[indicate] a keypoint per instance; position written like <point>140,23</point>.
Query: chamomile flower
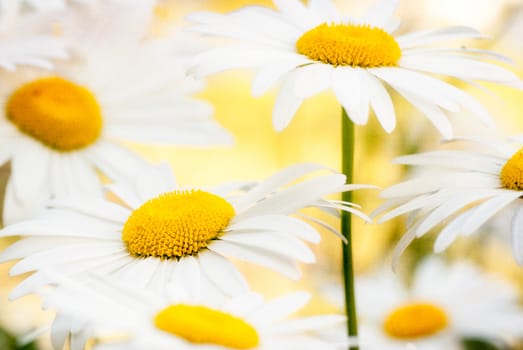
<point>311,48</point>
<point>461,189</point>
<point>444,304</point>
<point>58,129</point>
<point>22,38</point>
<point>166,237</point>
<point>147,320</point>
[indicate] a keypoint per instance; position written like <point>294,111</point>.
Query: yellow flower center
<point>176,224</point>
<point>350,45</point>
<point>512,172</point>
<point>199,324</point>
<point>58,113</point>
<point>415,320</point>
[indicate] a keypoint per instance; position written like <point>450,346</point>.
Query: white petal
<point>381,104</point>
<point>115,161</point>
<point>29,170</point>
<point>95,207</point>
<point>283,177</point>
<point>432,112</point>
<point>381,13</point>
<point>16,211</point>
<point>268,76</point>
<point>313,323</point>
<point>489,208</point>
<point>449,234</point>
<point>59,331</point>
<point>452,206</point>
<point>454,159</point>
<point>460,67</point>
<point>222,272</point>
<point>278,223</point>
<point>517,235</point>
<point>187,274</point>
<point>286,104</point>
<point>431,37</point>
<point>297,197</point>
<point>281,244</point>
<point>257,256</point>
<point>350,86</point>
<point>312,79</point>
<point>281,307</point>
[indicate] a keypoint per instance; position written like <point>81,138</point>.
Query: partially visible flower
<point>166,237</point>
<point>146,320</point>
<point>22,42</point>
<point>445,304</point>
<point>461,189</point>
<point>311,48</point>
<point>60,129</point>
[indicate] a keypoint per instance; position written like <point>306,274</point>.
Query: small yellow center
<point>512,172</point>
<point>415,320</point>
<point>176,224</point>
<point>199,324</point>
<point>350,45</point>
<point>58,113</point>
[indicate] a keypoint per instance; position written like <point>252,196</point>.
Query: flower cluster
<point>131,259</point>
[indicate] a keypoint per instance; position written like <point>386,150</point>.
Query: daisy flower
<point>146,320</point>
<point>22,41</point>
<point>443,305</point>
<point>311,48</point>
<point>166,237</point>
<point>461,189</point>
<point>59,129</point>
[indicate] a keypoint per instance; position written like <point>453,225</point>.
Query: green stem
<point>347,165</point>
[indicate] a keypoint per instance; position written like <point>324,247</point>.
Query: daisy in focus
<point>444,304</point>
<point>311,48</point>
<point>171,239</point>
<point>60,129</point>
<point>150,321</point>
<point>458,191</point>
<point>22,38</point>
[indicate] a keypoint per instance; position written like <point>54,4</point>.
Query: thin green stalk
<point>347,165</point>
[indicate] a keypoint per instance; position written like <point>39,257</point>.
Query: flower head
<point>147,320</point>
<point>444,304</point>
<point>311,48</point>
<point>165,237</point>
<point>461,189</point>
<point>66,126</point>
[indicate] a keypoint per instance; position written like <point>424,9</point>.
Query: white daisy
<point>463,189</point>
<point>444,305</point>
<point>59,129</point>
<point>165,237</point>
<point>22,38</point>
<point>150,321</point>
<point>311,48</point>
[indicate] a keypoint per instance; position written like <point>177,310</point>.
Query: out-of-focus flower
<point>444,304</point>
<point>59,129</point>
<point>311,48</point>
<point>463,189</point>
<point>165,237</point>
<point>150,321</point>
<point>21,40</point>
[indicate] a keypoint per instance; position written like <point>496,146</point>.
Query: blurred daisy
<point>152,321</point>
<point>59,129</point>
<point>463,189</point>
<point>22,41</point>
<point>311,48</point>
<point>166,237</point>
<point>444,305</point>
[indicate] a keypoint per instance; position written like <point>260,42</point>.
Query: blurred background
<point>314,136</point>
